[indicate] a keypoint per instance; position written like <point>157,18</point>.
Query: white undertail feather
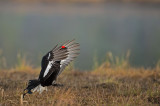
<point>39,89</point>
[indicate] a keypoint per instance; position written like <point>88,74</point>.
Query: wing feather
<point>63,55</point>
<point>48,61</point>
<point>73,52</point>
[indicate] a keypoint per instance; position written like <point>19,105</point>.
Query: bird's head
<point>27,90</point>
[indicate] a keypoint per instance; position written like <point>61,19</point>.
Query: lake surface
<point>34,29</point>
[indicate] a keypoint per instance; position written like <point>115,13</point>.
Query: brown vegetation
<point>105,85</point>
<point>114,82</point>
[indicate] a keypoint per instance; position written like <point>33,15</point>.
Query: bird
<point>52,65</point>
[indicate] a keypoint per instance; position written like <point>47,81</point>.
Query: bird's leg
<point>55,84</point>
<point>58,85</point>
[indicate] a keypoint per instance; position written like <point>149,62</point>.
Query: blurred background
<point>33,27</point>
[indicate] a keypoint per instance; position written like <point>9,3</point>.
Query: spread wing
<point>72,52</point>
<point>50,62</point>
<point>58,57</point>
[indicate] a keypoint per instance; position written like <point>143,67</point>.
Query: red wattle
<point>63,47</point>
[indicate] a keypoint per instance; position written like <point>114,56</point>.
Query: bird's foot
<point>58,85</point>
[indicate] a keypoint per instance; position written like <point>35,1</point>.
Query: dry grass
<point>103,86</point>
<point>114,82</point>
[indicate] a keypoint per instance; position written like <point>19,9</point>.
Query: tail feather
<point>34,85</point>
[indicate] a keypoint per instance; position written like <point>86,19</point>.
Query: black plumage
<point>52,64</point>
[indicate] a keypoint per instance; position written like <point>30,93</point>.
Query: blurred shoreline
<point>82,1</point>
<point>32,28</point>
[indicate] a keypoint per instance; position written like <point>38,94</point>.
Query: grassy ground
<point>114,82</point>
<point>102,86</point>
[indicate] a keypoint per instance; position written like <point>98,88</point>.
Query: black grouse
<point>52,64</point>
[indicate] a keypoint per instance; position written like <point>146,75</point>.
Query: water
<point>34,29</point>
